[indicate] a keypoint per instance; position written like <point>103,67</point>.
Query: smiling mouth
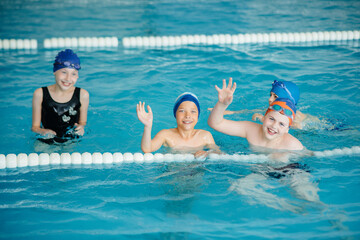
<point>271,132</point>
<point>187,122</point>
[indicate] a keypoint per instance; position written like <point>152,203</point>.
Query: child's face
<point>187,115</point>
<point>275,125</point>
<point>66,77</point>
<point>272,98</point>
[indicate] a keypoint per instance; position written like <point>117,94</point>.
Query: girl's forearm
<point>42,131</point>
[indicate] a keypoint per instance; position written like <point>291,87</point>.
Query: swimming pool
<point>196,200</point>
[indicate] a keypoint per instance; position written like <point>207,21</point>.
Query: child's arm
<point>84,100</point>
<point>258,116</point>
<point>228,112</point>
<point>148,145</point>
<point>36,114</point>
<point>299,118</point>
<point>216,119</point>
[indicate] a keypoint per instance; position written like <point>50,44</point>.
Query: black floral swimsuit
<point>60,117</point>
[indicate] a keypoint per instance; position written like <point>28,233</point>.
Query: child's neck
<point>60,95</point>
<point>185,134</point>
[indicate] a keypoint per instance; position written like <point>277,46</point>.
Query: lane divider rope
<point>216,39</point>
<point>33,159</point>
<point>164,41</point>
<point>81,42</point>
<point>18,44</point>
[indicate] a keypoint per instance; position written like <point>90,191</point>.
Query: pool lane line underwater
<point>180,40</point>
<point>11,161</point>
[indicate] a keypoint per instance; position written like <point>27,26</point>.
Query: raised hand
<point>226,93</point>
<point>145,117</point>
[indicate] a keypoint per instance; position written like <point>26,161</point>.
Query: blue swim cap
<point>286,89</point>
<point>66,59</point>
<point>186,96</point>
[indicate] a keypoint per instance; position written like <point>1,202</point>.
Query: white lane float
<point>216,39</point>
<point>11,161</point>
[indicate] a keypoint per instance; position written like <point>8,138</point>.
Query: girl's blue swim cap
<point>186,96</point>
<point>66,59</point>
<point>286,89</point>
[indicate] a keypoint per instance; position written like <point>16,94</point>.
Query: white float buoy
<point>158,157</point>
<point>138,157</point>
<point>118,157</point>
<point>47,43</point>
<point>11,161</point>
<point>75,158</point>
<point>128,157</point>
<point>97,158</point>
<point>55,159</point>
<point>65,158</point>
<point>33,159</point>
<point>44,159</point>
<point>107,158</point>
<point>22,160</point>
<point>148,157</point>
<point>86,158</point>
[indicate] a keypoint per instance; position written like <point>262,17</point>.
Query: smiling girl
<point>60,110</point>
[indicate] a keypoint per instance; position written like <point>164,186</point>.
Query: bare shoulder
<point>38,96</point>
<point>292,143</point>
<point>166,132</point>
<point>251,126</point>
<point>167,137</point>
<point>84,94</point>
<point>206,137</point>
<point>204,133</point>
<point>38,92</point>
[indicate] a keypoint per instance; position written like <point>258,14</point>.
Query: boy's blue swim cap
<point>286,89</point>
<point>66,59</point>
<point>186,96</point>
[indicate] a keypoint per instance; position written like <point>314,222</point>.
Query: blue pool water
<point>210,200</point>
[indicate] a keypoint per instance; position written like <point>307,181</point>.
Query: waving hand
<point>145,117</point>
<point>226,93</point>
